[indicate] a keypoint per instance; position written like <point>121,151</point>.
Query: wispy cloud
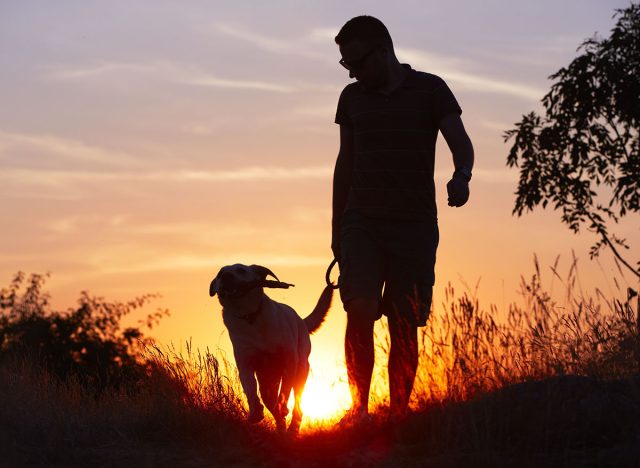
<point>72,224</point>
<point>214,82</point>
<point>493,125</point>
<point>65,148</point>
<point>323,111</point>
<point>98,69</point>
<point>270,44</point>
<point>451,71</point>
<point>105,264</point>
<point>291,46</point>
<point>323,35</point>
<point>61,178</point>
<point>183,74</point>
<point>254,173</point>
<point>496,175</point>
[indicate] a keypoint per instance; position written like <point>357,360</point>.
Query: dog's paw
<point>283,409</point>
<point>294,428</point>
<point>256,415</point>
<point>281,425</point>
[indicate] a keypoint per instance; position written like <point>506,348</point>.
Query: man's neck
<point>397,75</point>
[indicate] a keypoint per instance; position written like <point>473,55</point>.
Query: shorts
<point>391,262</point>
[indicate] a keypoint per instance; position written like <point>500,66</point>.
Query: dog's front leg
<point>298,389</point>
<point>288,377</point>
<point>248,381</point>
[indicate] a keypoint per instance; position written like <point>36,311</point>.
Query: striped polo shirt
<point>395,141</point>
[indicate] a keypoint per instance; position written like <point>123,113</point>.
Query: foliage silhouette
<point>586,147</point>
<point>87,342</point>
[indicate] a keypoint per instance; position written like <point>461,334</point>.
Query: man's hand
<point>458,191</point>
<point>462,151</point>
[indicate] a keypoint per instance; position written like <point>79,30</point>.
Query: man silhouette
<point>384,226</point>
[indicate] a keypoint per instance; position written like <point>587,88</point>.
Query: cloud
<point>323,112</point>
<point>65,148</point>
<point>107,263</point>
<point>269,44</point>
<point>72,224</point>
<point>451,72</point>
<point>495,175</point>
<point>493,125</point>
<point>67,180</point>
<point>214,82</point>
<point>182,74</point>
<point>293,46</point>
<point>323,35</point>
<point>98,69</point>
<point>254,173</point>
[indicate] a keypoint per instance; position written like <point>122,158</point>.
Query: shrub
<point>87,342</point>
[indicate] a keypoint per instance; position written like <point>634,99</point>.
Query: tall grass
<point>467,350</point>
<point>188,409</point>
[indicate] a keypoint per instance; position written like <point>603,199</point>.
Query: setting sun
<point>324,400</point>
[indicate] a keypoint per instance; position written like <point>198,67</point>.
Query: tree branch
<point>612,247</point>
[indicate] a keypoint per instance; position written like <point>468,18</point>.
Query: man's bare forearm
<point>462,153</point>
<point>458,141</point>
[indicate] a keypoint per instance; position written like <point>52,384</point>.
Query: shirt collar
<point>410,81</point>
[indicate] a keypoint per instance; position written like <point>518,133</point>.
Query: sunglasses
<point>358,63</point>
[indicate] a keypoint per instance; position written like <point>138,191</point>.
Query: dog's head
<point>236,281</point>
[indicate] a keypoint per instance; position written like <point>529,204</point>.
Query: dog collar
<point>253,316</point>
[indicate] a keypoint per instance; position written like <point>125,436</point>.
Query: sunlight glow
<point>324,400</point>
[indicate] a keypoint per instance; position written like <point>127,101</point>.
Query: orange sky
<point>144,145</point>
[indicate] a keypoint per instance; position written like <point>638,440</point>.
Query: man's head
<point>367,50</point>
<point>366,29</point>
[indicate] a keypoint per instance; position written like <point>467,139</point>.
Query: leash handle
<point>327,276</point>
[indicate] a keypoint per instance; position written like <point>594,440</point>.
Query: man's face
<point>365,63</point>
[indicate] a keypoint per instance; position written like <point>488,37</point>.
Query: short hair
<point>366,29</point>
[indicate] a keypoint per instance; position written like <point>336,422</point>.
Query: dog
<point>270,341</point>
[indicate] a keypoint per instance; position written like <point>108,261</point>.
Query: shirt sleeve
<point>342,113</point>
<point>444,102</point>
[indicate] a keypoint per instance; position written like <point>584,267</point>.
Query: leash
<point>327,276</point>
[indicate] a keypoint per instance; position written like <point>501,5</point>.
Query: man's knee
<point>362,311</point>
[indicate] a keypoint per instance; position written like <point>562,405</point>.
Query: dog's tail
<point>315,319</point>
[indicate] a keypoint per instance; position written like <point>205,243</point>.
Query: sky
<point>146,144</point>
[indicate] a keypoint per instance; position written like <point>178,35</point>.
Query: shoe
<point>398,415</point>
<point>354,418</point>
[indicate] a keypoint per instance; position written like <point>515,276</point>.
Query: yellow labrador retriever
<point>270,340</point>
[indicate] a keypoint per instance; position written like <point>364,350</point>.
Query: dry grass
<point>552,383</point>
<point>468,350</point>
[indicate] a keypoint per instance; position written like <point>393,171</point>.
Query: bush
<point>87,342</point>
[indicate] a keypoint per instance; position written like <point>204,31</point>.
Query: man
<point>385,231</point>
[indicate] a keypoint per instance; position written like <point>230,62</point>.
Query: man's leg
<point>361,281</point>
<point>407,302</point>
<point>403,362</point>
<point>359,350</point>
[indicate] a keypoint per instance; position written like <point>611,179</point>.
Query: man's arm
<point>461,148</point>
<point>341,185</point>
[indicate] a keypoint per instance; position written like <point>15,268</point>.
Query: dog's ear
<point>262,272</point>
<point>214,286</point>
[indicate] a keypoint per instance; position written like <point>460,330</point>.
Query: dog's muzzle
<point>235,291</point>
